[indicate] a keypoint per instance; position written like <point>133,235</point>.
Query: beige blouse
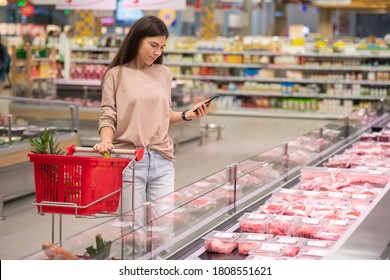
<point>136,105</point>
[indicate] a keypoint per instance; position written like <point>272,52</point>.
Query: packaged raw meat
<point>319,244</point>
<point>275,249</point>
<point>310,253</point>
<point>341,178</point>
<point>288,240</point>
<point>332,234</point>
<point>286,195</point>
<point>273,208</point>
<point>320,211</point>
<point>255,257</point>
<point>221,242</point>
<point>298,210</point>
<point>280,225</point>
<point>247,241</point>
<point>253,222</point>
<point>306,227</point>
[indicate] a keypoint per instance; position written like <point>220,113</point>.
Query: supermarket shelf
<point>327,68</point>
<point>41,59</point>
<point>33,78</point>
<point>278,67</point>
<point>271,53</point>
<point>92,61</point>
<point>294,95</point>
<point>78,82</point>
<point>283,80</point>
<point>218,65</point>
<point>94,49</point>
<point>277,113</point>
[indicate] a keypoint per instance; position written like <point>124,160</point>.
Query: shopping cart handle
<point>138,152</point>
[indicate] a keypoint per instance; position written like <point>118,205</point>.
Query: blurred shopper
<point>136,110</point>
<point>5,63</point>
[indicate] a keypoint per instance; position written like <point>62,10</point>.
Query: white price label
<point>315,252</point>
<point>226,235</point>
<point>311,193</point>
<point>311,221</point>
<point>338,222</point>
<point>256,237</point>
<point>336,194</point>
<point>284,218</point>
<point>356,195</point>
<point>257,216</point>
<point>289,240</point>
<point>316,243</point>
<point>271,247</point>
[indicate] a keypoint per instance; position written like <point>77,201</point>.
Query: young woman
<point>5,63</point>
<point>136,110</point>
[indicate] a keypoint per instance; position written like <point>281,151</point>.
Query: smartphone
<point>207,103</point>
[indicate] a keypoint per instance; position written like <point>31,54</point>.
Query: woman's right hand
<point>103,147</point>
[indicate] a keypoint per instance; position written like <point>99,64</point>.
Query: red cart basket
<point>79,185</point>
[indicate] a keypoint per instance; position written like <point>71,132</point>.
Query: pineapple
<point>45,144</point>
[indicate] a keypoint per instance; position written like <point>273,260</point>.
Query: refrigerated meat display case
<point>178,226</point>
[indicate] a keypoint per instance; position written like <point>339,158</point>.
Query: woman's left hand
<point>198,111</point>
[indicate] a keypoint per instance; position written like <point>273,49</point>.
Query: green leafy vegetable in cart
<point>45,144</point>
<point>102,250</point>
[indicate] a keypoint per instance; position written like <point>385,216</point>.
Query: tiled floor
<point>23,231</point>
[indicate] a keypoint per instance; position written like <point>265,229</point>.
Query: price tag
<point>315,252</point>
<point>226,235</point>
<point>311,221</point>
<point>257,216</point>
<point>311,193</point>
<point>257,237</point>
<point>284,218</point>
<point>338,222</point>
<point>316,243</point>
<point>271,247</point>
<point>289,240</point>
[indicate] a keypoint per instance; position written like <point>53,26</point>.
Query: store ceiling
<point>362,4</point>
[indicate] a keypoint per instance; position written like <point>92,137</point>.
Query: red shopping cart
<point>80,185</point>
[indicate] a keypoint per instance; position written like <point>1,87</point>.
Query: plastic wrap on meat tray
<point>253,222</point>
<point>380,136</point>
<point>221,242</point>
<point>292,196</point>
<point>310,253</point>
<point>280,225</point>
<point>275,249</point>
<point>319,244</point>
<point>265,258</point>
<point>273,207</point>
<point>306,227</point>
<point>329,179</point>
<point>298,241</point>
<point>247,241</point>
<point>331,233</point>
<point>370,148</point>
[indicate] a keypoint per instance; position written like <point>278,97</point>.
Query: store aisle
<point>23,231</point>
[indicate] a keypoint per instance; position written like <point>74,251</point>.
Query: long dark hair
<point>147,26</point>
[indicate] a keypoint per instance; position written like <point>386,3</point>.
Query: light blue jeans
<point>154,177</point>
